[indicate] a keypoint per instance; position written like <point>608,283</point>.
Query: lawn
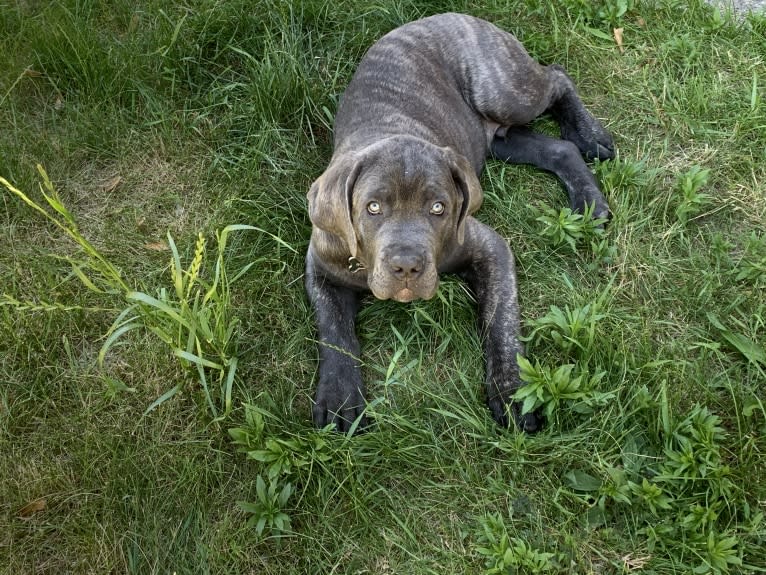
<point>158,355</point>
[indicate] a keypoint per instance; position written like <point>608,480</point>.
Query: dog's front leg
<point>340,392</point>
<point>491,275</point>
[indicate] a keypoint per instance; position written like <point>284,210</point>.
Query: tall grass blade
<point>114,336</point>
<point>176,271</point>
<point>201,361</point>
<point>171,312</point>
<point>229,384</point>
<point>162,399</point>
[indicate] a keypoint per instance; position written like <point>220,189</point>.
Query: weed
<point>565,226</point>
<point>572,330</point>
<point>108,274</point>
<point>287,456</point>
<point>693,458</point>
<point>720,249</point>
<point>694,471</point>
<point>651,495</point>
<point>692,200</point>
<point>284,458</point>
<point>719,554</point>
<point>682,52</point>
<point>547,389</point>
<point>621,177</point>
<point>604,12</point>
<point>266,513</point>
<point>504,554</point>
<point>745,345</point>
<point>195,322</point>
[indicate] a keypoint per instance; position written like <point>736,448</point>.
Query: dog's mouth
<point>404,295</point>
<point>403,291</point>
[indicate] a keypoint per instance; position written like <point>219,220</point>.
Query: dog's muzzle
<point>403,275</point>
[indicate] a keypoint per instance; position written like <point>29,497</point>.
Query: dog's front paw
<point>592,200</point>
<point>531,422</point>
<point>340,401</point>
<point>528,422</point>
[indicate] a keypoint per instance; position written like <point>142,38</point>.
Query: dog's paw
<point>589,135</point>
<point>340,403</point>
<point>504,413</point>
<point>601,145</point>
<point>593,201</point>
<point>529,422</point>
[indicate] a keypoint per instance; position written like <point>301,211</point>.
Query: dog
<point>428,103</point>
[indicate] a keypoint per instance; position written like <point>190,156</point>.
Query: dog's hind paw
<point>589,135</point>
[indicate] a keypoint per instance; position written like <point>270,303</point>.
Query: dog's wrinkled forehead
<point>398,171</point>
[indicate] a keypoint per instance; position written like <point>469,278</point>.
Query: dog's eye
<point>437,208</point>
<point>373,208</point>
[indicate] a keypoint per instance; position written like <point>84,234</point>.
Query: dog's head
<point>398,205</point>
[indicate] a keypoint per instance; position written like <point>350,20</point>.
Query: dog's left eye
<point>373,208</point>
<point>437,208</point>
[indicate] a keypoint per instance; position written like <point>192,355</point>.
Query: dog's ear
<point>468,186</point>
<point>330,199</point>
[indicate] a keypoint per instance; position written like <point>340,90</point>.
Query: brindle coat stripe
<point>427,104</point>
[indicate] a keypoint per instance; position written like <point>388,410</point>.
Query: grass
<point>645,344</point>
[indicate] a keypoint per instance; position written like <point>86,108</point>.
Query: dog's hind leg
<point>577,124</point>
<point>562,157</point>
<point>511,89</point>
<point>506,86</point>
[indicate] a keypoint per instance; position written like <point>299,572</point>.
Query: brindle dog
<point>394,209</point>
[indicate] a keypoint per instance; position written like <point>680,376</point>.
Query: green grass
<point>646,344</point>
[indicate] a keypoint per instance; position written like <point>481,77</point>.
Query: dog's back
<point>444,79</point>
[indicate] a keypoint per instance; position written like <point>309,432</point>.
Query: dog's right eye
<point>437,208</point>
<point>373,208</point>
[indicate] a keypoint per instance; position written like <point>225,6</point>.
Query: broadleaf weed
<point>681,52</point>
<point>546,389</point>
<point>504,554</point>
<point>692,200</point>
<point>287,460</point>
<point>688,492</point>
<point>282,455</point>
<point>651,495</point>
<point>565,226</point>
<point>719,554</point>
<point>621,176</point>
<point>604,13</point>
<point>685,502</point>
<point>751,266</point>
<point>573,330</point>
<point>266,513</point>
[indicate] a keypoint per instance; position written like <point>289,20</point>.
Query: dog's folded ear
<point>330,199</point>
<point>468,186</point>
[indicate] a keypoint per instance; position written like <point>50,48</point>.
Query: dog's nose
<point>406,265</point>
